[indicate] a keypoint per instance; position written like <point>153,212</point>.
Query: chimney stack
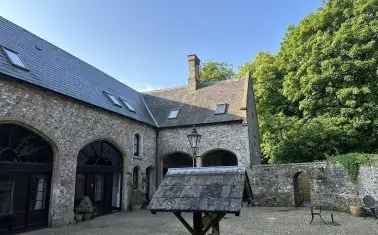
<point>194,72</point>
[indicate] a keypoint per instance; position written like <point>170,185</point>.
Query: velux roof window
<point>173,114</point>
<point>14,59</point>
<point>221,109</point>
<point>127,104</point>
<point>113,99</point>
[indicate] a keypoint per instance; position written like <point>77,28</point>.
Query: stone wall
<point>331,186</point>
<point>70,125</point>
<point>231,137</point>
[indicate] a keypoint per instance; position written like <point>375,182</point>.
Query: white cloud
<point>147,87</point>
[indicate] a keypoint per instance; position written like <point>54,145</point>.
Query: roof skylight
<point>113,99</point>
<point>221,109</point>
<point>14,58</point>
<point>173,114</point>
<point>127,104</point>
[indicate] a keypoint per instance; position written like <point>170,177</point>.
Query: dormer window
<point>221,109</point>
<point>173,114</point>
<point>14,59</point>
<point>127,104</point>
<point>112,99</point>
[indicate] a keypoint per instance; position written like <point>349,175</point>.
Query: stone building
<point>69,131</point>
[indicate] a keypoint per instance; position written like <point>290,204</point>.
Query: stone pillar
<point>63,189</point>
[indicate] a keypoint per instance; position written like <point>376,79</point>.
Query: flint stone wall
<point>70,125</point>
<point>331,186</point>
<point>232,137</point>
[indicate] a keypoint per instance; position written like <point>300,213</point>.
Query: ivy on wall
<point>353,161</point>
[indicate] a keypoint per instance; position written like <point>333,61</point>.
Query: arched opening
<point>136,177</point>
<point>25,178</point>
<point>99,177</point>
<point>302,189</point>
<point>176,160</point>
<point>219,157</point>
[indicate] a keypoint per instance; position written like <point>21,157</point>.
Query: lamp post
<point>194,139</point>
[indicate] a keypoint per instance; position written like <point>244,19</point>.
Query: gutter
<point>149,111</point>
<point>156,144</point>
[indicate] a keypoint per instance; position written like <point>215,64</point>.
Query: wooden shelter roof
<point>204,189</point>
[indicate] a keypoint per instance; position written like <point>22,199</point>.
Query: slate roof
<point>54,69</point>
<point>198,107</point>
<point>206,189</point>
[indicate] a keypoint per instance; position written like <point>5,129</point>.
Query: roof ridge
<point>213,83</point>
<point>165,89</point>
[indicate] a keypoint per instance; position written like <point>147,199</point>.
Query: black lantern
<point>194,141</point>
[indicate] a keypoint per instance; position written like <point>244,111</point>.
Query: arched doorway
<point>176,160</point>
<point>302,189</point>
<point>25,178</point>
<point>99,176</point>
<point>219,157</point>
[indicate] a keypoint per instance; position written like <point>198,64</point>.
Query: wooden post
<point>215,229</point>
<point>197,223</point>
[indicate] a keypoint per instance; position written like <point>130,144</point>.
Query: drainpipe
<point>157,164</point>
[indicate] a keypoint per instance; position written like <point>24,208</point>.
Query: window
<point>221,108</point>
<point>116,195</point>
<point>14,58</point>
<point>6,195</point>
<point>136,177</point>
<point>127,104</point>
<point>136,145</point>
<point>113,99</point>
<point>39,192</point>
<point>173,114</point>
<point>99,188</point>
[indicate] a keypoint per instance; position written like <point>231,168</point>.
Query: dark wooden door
<point>39,195</point>
<point>20,201</point>
<point>98,187</point>
<point>98,162</point>
<point>29,197</point>
<point>25,173</point>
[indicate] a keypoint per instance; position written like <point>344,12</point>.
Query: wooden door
<point>38,207</point>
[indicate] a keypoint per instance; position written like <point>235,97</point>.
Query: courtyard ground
<point>255,220</point>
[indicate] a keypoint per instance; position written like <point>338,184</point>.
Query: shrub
<point>353,161</point>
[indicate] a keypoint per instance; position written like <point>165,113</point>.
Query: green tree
<point>319,94</point>
<point>216,71</point>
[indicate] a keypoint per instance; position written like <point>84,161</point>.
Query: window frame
<point>136,177</point>
<point>137,143</point>
<point>173,111</point>
<point>113,99</point>
<point>225,110</point>
<point>127,104</point>
<point>8,53</point>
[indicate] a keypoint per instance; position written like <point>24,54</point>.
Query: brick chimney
<point>194,72</point>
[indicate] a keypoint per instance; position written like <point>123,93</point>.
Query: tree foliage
<point>319,94</point>
<point>216,71</point>
<point>353,161</point>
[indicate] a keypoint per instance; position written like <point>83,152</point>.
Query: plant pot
<point>356,211</point>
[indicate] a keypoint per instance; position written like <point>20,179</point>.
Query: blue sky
<point>144,43</point>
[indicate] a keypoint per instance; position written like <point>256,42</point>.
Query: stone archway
<point>99,176</point>
<point>26,160</point>
<point>219,157</point>
<point>176,160</point>
<point>302,189</point>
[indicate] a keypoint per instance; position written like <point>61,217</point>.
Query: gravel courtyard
<point>256,220</point>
